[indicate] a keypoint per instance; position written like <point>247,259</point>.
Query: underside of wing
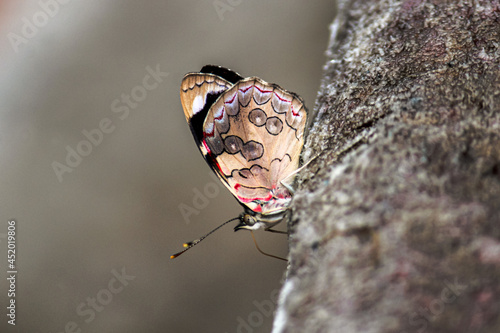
<point>254,135</point>
<point>198,92</point>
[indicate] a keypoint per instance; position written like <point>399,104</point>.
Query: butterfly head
<point>251,220</point>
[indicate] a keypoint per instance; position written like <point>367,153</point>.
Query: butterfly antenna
<point>189,245</point>
<point>264,253</point>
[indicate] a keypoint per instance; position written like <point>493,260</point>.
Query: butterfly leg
<point>265,253</point>
<point>276,231</point>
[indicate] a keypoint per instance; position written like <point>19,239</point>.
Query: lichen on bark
<point>396,223</point>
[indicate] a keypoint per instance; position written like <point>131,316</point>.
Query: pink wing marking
<point>268,198</point>
<point>209,153</point>
<point>211,133</point>
<point>257,209</point>
<point>206,147</point>
<point>281,196</point>
<point>221,115</point>
<point>237,186</point>
<point>245,90</point>
<point>231,100</point>
<point>263,91</point>
<point>281,98</point>
<point>296,114</point>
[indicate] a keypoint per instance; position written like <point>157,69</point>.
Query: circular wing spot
<point>215,144</point>
<point>274,125</point>
<point>233,144</point>
<point>252,150</point>
<point>257,117</point>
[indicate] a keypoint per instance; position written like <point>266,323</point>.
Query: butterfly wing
<point>198,92</point>
<point>253,135</point>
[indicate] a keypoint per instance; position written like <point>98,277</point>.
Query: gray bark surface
<point>396,224</point>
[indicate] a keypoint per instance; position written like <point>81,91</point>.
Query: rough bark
<point>396,224</point>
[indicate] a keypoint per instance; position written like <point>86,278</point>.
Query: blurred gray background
<point>65,69</point>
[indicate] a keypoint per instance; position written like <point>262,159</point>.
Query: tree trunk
<point>396,224</point>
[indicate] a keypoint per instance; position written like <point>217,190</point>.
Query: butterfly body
<point>251,134</point>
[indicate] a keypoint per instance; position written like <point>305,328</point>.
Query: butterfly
<point>251,134</point>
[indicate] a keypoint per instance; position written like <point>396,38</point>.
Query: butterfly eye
<point>249,219</point>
